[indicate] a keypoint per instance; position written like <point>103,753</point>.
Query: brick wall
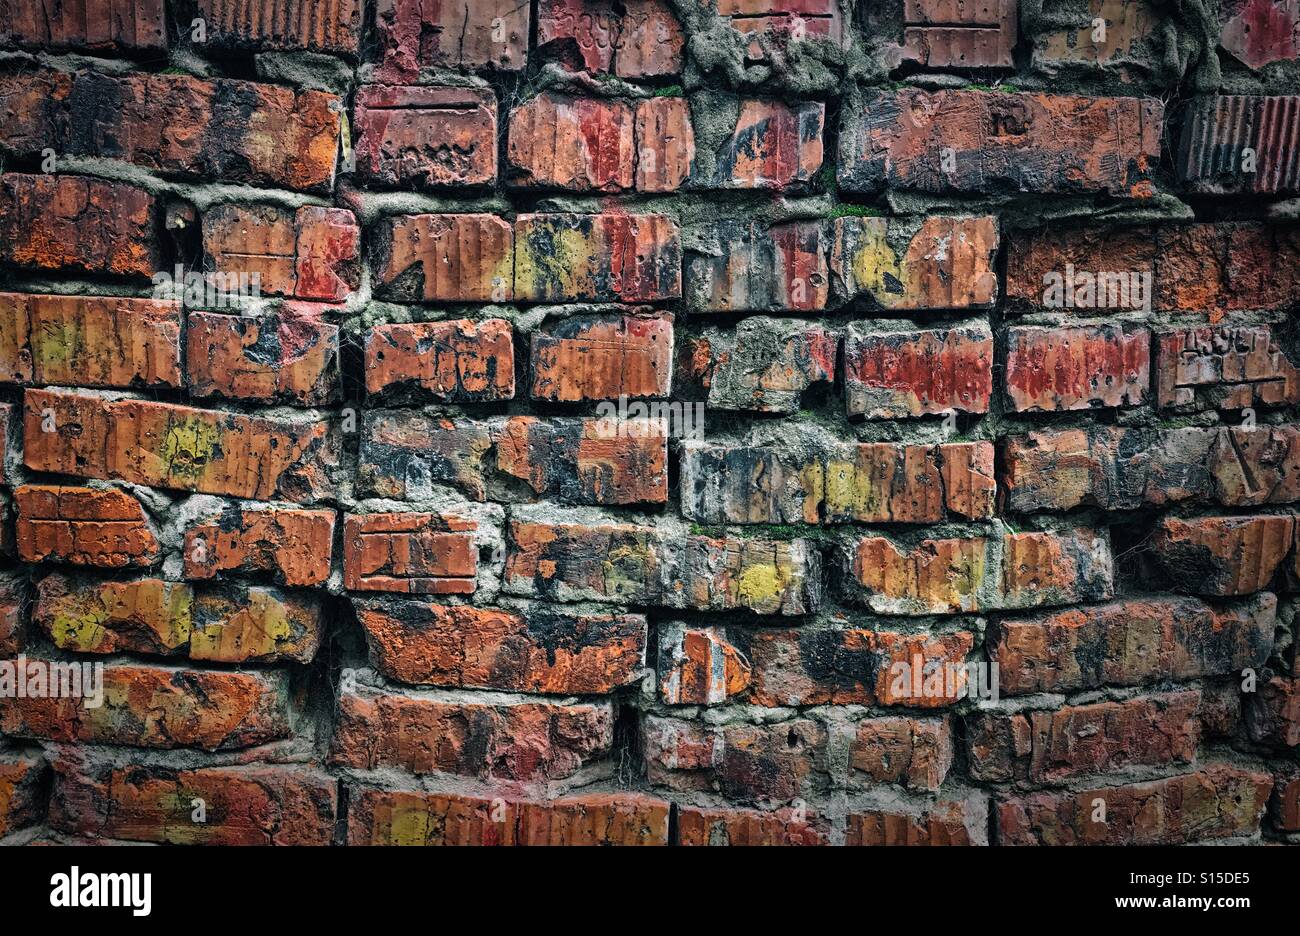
<point>655,422</point>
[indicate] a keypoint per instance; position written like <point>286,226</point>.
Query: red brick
<point>1217,132</point>
<point>627,258</point>
<point>746,763</point>
<point>77,224</point>
<point>950,34</point>
<point>1128,23</point>
<point>1077,740</point>
<point>875,482</point>
<point>422,735</point>
<point>912,752</point>
<point>1208,269</point>
<point>421,553</point>
<point>283,26</point>
<point>1223,555</point>
<point>22,792</point>
<point>1216,802</point>
<point>457,34</point>
<point>405,453</point>
<point>1286,803</point>
<point>698,666</point>
<point>897,374</point>
<point>999,142</point>
<point>307,253</point>
<point>86,526</point>
<point>755,268</point>
<point>789,826</point>
<point>1258,32</point>
<point>283,358</point>
<point>295,546</point>
<point>160,707</point>
<point>603,357</point>
<point>162,445</point>
<point>90,341</point>
<point>1131,643</point>
<point>13,614</point>
<point>765,365</point>
<point>458,361</point>
<point>776,23</point>
<point>578,144</point>
<point>586,461</point>
<point>947,263</point>
<point>426,137</point>
<point>93,25</point>
<point>633,39</point>
<point>1052,369</point>
<point>541,649</point>
<point>392,817</point>
<point>444,258</point>
<point>1273,712</point>
<point>1223,367</point>
<point>666,140</point>
<point>229,624</point>
<point>242,805</point>
<point>773,145</point>
<point>946,822</point>
<point>638,565</point>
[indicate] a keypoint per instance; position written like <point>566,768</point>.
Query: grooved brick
<point>626,258</point>
<point>93,25</point>
<point>420,553</point>
<point>309,253</point>
<point>1222,555</point>
<point>426,137</point>
<point>1050,369</point>
<point>85,526</point>
<point>443,258</point>
<point>750,267</point>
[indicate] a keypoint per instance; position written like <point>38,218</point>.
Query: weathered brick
<point>1239,144</point>
<point>93,25</point>
<point>766,364</point>
<point>1273,712</point>
<point>586,461</point>
<point>934,263</point>
<point>1222,555</point>
<point>22,796</point>
<point>632,39</point>
<point>443,258</point>
<point>597,258</point>
<point>1076,740</point>
<point>458,34</point>
<point>159,707</point>
<point>1223,367</point>
<point>1258,32</point>
<point>896,374</point>
<point>773,145</point>
<point>426,137</point>
<point>295,546</point>
<point>912,752</point>
<point>458,361</point>
<point>776,23</point>
<point>227,624</point>
<point>984,141</point>
<point>1128,23</point>
<point>854,666</point>
<point>274,358</point>
<point>638,565</point>
<point>666,140</point>
<point>13,614</point>
<point>1122,469</point>
<point>423,734</point>
<point>283,25</point>
<point>162,445</point>
<point>420,553</point>
<point>86,526</point>
<point>1286,803</point>
<point>243,805</point>
<point>90,341</point>
<point>946,822</point>
<point>1209,269</point>
<point>875,482</point>
<point>698,666</point>
<point>1218,801</point>
<point>747,827</point>
<point>746,763</point>
<point>393,817</point>
<point>749,267</point>
<point>1051,369</point>
<point>981,573</point>
<point>1132,642</point>
<point>307,253</point>
<point>578,144</point>
<point>603,357</point>
<point>951,34</point>
<point>539,649</point>
<point>404,454</point>
<point>75,223</point>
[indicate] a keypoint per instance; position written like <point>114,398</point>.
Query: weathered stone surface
<point>945,263</point>
<point>603,357</point>
<point>539,650</point>
<point>295,546</point>
<point>1052,369</point>
<point>443,258</point>
<point>1240,144</point>
<point>1127,25</point>
<point>275,358</point>
<point>698,666</point>
<point>632,39</point>
<point>309,253</point>
<point>748,267</point>
<point>586,461</point>
<point>1132,642</point>
<point>880,482</point>
<point>420,553</point>
<point>1223,367</point>
<point>950,576</point>
<point>597,258</point>
<point>459,34</point>
<point>458,361</point>
<point>897,374</point>
<point>1222,555</point>
<point>84,526</point>
<point>404,454</point>
<point>769,364</point>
